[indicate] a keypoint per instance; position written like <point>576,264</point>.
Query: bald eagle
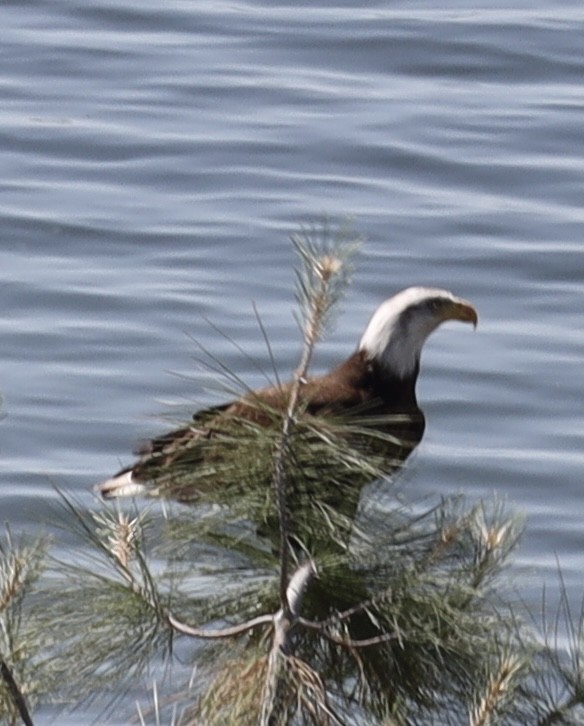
<point>375,383</point>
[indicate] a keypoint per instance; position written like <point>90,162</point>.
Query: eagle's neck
<point>367,380</point>
<point>394,344</point>
<point>399,390</point>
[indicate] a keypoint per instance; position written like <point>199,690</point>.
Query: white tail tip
<point>121,485</point>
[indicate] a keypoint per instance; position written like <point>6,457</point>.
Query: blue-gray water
<point>155,157</point>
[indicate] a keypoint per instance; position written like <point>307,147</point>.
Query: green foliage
<point>328,462</point>
<point>20,566</point>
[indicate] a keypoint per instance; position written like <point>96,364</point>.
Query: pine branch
<point>323,275</point>
<point>498,691</point>
<point>317,289</point>
<point>284,622</point>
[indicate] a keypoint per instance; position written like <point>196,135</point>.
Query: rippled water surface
<point>155,158</point>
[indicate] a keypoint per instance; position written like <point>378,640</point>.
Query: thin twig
<point>15,692</point>
<point>359,607</point>
<point>229,632</point>
<point>312,329</point>
<point>346,642</point>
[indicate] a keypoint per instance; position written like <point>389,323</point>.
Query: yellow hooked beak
<point>462,310</point>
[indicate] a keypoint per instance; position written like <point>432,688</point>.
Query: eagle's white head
<point>399,327</point>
